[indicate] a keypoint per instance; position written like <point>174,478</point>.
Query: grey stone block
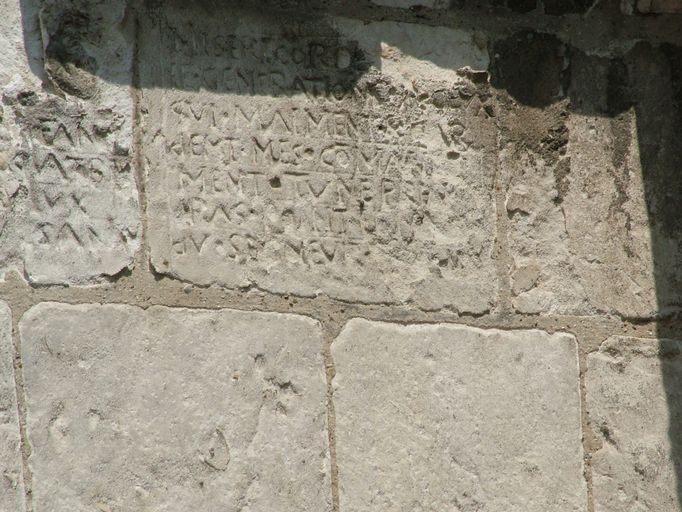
<point>174,409</point>
<point>447,417</point>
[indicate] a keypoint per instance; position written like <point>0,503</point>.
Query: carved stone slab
<point>319,156</point>
<point>174,409</point>
<point>11,482</point>
<point>634,401</point>
<point>448,417</point>
<point>68,199</point>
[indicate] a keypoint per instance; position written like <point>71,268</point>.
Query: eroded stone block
<point>591,153</point>
<point>67,190</point>
<point>449,417</point>
<point>634,400</point>
<point>11,482</point>
<point>174,409</point>
<point>319,156</point>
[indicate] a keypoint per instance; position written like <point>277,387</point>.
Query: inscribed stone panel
<point>319,156</point>
<point>68,199</point>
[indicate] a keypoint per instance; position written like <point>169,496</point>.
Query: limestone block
<point>580,235</point>
<point>174,409</point>
<point>11,483</point>
<point>319,157</point>
<point>633,400</point>
<point>591,152</point>
<point>67,190</point>
<point>447,417</point>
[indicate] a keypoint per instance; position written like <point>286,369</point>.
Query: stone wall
<point>312,256</point>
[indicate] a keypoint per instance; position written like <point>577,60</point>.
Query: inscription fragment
<point>68,197</point>
<point>279,155</point>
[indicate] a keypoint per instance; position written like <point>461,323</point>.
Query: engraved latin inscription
<point>280,156</point>
<point>67,192</point>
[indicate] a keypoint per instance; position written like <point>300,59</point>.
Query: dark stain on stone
<point>553,144</point>
<point>561,180</point>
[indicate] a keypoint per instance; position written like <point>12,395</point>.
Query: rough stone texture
<point>321,156</point>
<point>651,6</point>
<point>510,164</point>
<point>456,418</point>
<point>591,152</point>
<point>11,484</point>
<point>634,395</point>
<point>406,4</point>
<point>68,199</point>
<point>174,409</point>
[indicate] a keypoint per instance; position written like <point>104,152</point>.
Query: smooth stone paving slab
<point>174,409</point>
<point>634,401</point>
<point>447,417</point>
<point>324,156</point>
<point>68,200</point>
<point>11,483</point>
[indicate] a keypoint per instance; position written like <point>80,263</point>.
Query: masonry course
<point>306,222</point>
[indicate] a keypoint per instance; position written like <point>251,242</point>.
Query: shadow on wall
<point>63,41</point>
<point>640,90</point>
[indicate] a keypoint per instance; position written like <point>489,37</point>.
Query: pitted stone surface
<point>591,152</point>
<point>634,402</point>
<point>319,157</point>
<point>580,235</point>
<point>450,417</point>
<point>11,483</point>
<point>174,409</point>
<point>68,198</point>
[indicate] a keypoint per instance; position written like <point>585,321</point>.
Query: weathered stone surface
<point>405,4</point>
<point>651,6</point>
<point>448,417</point>
<point>634,400</point>
<point>68,198</point>
<point>174,409</point>
<point>321,156</point>
<point>11,483</point>
<point>591,151</point>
